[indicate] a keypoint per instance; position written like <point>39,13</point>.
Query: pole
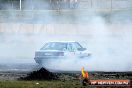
<point>12,5</point>
<point>111,5</point>
<point>91,3</point>
<point>20,4</point>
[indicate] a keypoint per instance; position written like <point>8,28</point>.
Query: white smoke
<point>110,49</point>
<point>110,44</point>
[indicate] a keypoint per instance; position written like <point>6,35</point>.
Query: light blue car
<point>60,50</point>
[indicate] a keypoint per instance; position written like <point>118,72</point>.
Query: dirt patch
<point>42,74</point>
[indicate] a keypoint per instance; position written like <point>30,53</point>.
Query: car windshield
<point>54,46</point>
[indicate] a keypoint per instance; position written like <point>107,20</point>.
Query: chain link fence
<point>106,4</point>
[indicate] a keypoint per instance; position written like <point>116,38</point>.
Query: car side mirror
<point>81,49</point>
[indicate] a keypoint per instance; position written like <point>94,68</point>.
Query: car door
<point>78,49</point>
<point>71,50</point>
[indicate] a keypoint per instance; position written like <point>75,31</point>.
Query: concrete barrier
<point>25,28</point>
<point>73,29</point>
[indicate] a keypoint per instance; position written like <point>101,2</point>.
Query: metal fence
<point>64,4</point>
<point>106,4</point>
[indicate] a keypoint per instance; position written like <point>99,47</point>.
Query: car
<point>60,50</point>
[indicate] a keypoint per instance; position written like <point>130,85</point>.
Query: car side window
<point>78,45</point>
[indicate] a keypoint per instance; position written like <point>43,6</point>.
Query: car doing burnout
<point>59,50</point>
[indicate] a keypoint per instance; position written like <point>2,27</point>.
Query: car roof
<point>63,41</point>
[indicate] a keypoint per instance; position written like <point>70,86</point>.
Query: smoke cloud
<point>107,36</point>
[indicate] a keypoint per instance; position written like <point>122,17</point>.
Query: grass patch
<point>46,84</point>
<point>41,84</point>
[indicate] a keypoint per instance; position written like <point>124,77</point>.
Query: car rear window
<point>54,46</point>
